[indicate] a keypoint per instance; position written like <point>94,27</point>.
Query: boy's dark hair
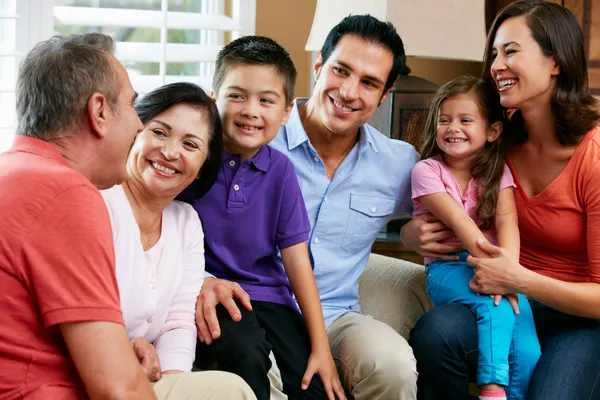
<point>488,167</point>
<point>372,30</point>
<point>256,50</point>
<point>167,96</point>
<point>557,32</point>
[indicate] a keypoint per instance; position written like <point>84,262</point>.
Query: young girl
<point>463,181</point>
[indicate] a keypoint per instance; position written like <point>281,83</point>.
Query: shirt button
<point>316,159</point>
<point>149,320</point>
<point>232,163</point>
<point>153,285</point>
<point>316,240</point>
<point>236,187</point>
<point>373,209</point>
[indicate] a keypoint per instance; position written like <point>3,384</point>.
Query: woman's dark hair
<point>558,34</point>
<point>167,96</point>
<point>488,167</point>
<point>371,30</point>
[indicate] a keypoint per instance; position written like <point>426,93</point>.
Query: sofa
<point>393,291</point>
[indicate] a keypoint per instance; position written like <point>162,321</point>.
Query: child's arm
<point>507,224</point>
<point>299,272</point>
<point>447,210</point>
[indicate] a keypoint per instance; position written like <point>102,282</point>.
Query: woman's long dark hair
<point>167,96</point>
<point>559,35</point>
<point>488,166</point>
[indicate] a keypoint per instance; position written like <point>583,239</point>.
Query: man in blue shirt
<point>354,180</point>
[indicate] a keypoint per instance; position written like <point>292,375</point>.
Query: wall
<point>441,71</point>
<point>289,22</point>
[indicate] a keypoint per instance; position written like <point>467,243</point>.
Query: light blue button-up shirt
<point>370,188</point>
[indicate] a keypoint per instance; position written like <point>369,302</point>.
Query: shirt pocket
<point>366,217</point>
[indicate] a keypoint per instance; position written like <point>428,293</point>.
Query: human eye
<point>494,55</point>
<point>510,51</point>
<point>159,132</point>
<point>267,101</point>
<point>190,144</point>
<point>466,120</point>
<point>339,71</point>
<point>235,96</point>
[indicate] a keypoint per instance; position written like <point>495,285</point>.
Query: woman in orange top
<point>535,58</point>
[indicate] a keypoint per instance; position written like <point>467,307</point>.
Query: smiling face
<point>252,106</point>
<point>461,129</point>
<point>524,76</point>
<point>169,152</point>
<point>350,85</point>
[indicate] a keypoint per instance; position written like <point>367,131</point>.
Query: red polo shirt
<point>56,266</point>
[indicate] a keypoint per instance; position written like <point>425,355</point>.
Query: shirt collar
<point>260,161</point>
<point>28,144</point>
<point>296,135</point>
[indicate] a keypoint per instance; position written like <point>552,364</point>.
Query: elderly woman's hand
<point>499,274</point>
<point>218,291</point>
<point>147,357</point>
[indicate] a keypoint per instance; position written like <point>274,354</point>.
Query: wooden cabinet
<point>587,13</point>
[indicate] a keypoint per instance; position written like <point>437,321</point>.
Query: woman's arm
<point>503,274</point>
<point>176,341</point>
<point>451,214</point>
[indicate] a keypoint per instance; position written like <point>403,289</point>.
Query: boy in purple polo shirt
<point>254,211</point>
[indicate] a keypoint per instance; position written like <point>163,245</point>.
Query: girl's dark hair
<point>558,34</point>
<point>488,166</point>
<point>167,96</point>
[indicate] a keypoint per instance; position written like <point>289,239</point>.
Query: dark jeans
<point>244,347</point>
<point>444,341</point>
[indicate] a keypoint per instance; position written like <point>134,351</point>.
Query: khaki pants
<point>203,385</point>
<point>373,360</point>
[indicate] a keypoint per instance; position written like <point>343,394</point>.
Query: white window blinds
<point>161,41</point>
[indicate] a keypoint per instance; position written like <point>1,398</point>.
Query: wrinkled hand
<point>322,363</point>
<point>147,357</point>
<point>218,291</point>
<point>422,235</point>
<point>499,274</point>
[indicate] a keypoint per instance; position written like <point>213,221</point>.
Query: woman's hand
<point>147,357</point>
<point>422,234</point>
<point>214,292</point>
<point>512,298</point>
<point>321,362</point>
<point>499,274</point>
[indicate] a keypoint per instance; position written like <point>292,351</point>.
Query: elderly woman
<point>159,245</point>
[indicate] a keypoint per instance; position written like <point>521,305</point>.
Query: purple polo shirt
<point>254,209</point>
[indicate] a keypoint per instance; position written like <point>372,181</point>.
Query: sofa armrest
<point>393,291</point>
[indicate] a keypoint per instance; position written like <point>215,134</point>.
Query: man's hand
<point>148,358</point>
<point>422,234</point>
<point>218,291</point>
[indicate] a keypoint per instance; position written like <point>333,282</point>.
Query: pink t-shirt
<point>432,176</point>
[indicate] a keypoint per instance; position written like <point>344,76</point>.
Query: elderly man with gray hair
<point>62,334</point>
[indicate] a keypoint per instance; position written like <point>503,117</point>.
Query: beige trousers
<point>373,360</point>
<point>202,385</point>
